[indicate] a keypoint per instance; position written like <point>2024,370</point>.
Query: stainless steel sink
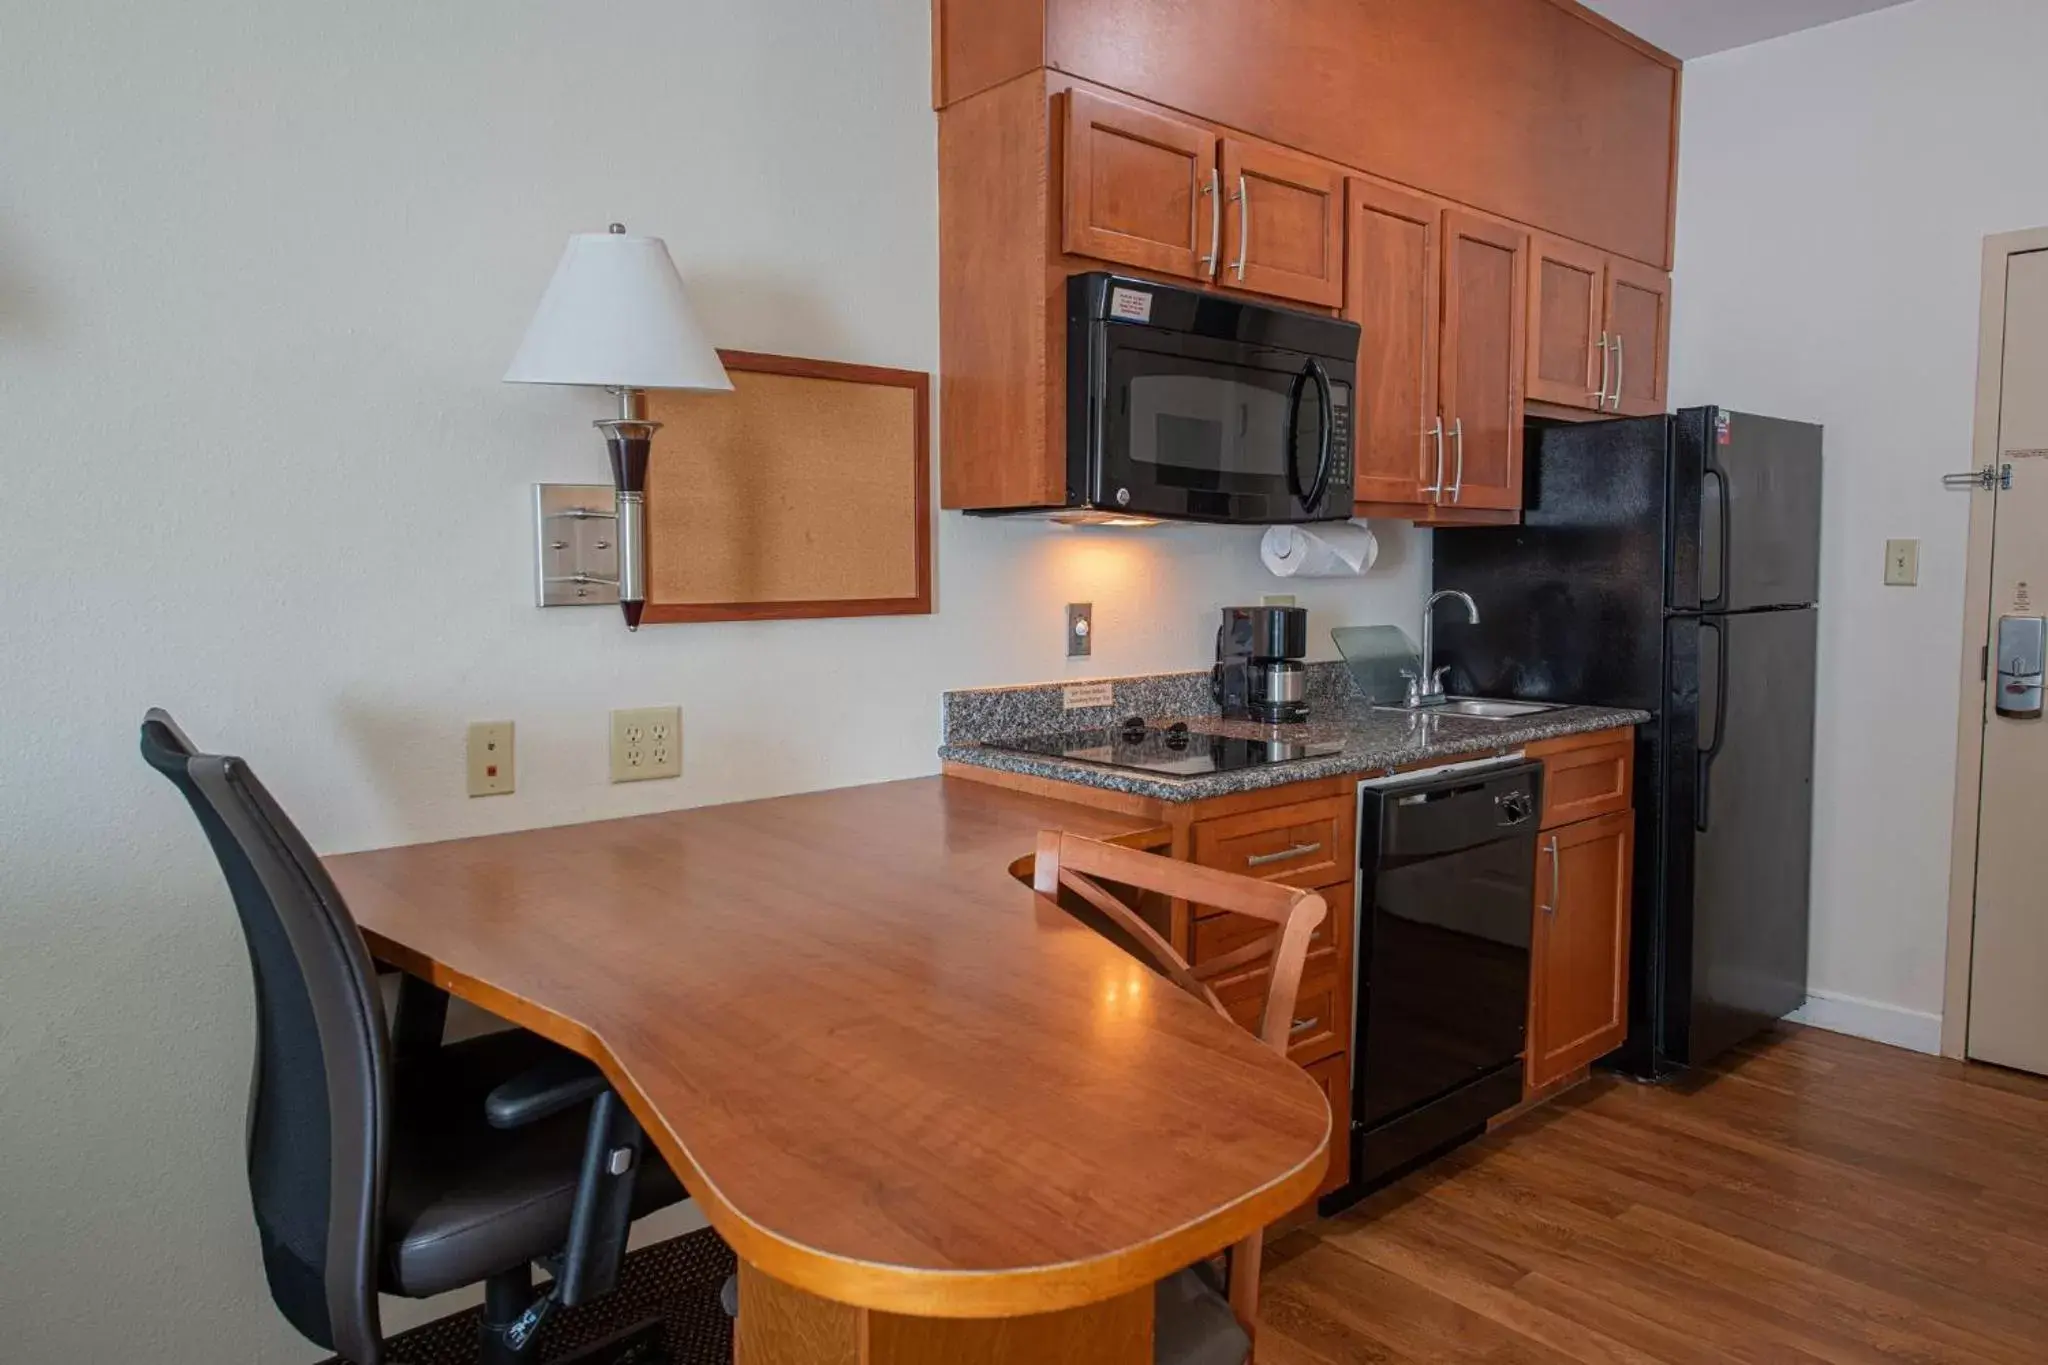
<point>1480,708</point>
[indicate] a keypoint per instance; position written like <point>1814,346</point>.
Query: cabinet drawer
<point>1587,782</point>
<point>1216,935</point>
<point>1320,1017</point>
<point>1307,845</point>
<point>1333,1074</point>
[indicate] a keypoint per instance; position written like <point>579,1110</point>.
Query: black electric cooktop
<point>1173,751</point>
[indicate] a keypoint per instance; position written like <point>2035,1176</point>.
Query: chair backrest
<point>1071,863</point>
<point>319,1097</point>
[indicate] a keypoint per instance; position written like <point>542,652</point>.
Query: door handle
<point>1302,1026</point>
<point>1606,370</point>
<point>1704,792</point>
<point>1723,543</point>
<point>1285,855</point>
<point>1213,192</point>
<point>1458,435</point>
<point>1244,226</point>
<point>1556,890</point>
<point>1620,368</point>
<point>1436,490</point>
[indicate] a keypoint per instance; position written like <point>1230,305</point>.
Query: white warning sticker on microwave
<point>1130,305</point>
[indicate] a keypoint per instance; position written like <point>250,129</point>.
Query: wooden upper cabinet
<point>1539,112</point>
<point>1394,291</point>
<point>1283,224</point>
<point>1578,1003</point>
<point>1568,347</point>
<point>1137,187</point>
<point>1639,323</point>
<point>1485,333</point>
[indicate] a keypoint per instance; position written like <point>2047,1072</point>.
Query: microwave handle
<point>1312,496</point>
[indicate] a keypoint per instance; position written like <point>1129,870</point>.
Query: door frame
<point>1973,694</point>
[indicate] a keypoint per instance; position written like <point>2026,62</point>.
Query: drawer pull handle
<point>1302,1026</point>
<point>1285,855</point>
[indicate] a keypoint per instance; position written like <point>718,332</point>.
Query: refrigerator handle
<point>1719,598</point>
<point>1718,709</point>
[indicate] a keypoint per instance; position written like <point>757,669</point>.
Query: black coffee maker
<point>1259,675</point>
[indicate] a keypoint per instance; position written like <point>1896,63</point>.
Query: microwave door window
<point>1185,424</point>
<point>1194,431</point>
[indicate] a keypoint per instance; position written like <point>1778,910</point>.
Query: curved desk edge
<point>1017,1292</point>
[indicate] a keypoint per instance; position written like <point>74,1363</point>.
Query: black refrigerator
<point>1672,564</point>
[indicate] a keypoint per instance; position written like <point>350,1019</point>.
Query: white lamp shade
<point>615,316</point>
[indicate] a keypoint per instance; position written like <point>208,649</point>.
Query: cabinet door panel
<point>1334,1076</point>
<point>1394,290</point>
<point>1567,323</point>
<point>1639,317</point>
<point>1137,187</point>
<point>1283,224</point>
<point>1484,338</point>
<point>1579,987</point>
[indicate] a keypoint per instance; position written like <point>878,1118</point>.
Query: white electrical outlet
<point>490,758</point>
<point>647,744</point>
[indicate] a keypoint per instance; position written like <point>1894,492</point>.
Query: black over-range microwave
<point>1191,406</point>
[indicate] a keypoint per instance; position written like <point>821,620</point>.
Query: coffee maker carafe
<point>1259,675</point>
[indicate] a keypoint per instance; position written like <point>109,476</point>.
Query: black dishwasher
<point>1446,894</point>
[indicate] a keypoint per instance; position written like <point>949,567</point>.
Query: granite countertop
<point>1373,741</point>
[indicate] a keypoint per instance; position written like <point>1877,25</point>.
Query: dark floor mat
<point>677,1279</point>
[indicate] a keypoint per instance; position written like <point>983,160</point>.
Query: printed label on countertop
<point>1082,696</point>
<point>1130,305</point>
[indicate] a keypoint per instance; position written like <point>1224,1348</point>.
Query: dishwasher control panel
<point>2021,655</point>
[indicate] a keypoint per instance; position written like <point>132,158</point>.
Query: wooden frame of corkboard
<point>804,493</point>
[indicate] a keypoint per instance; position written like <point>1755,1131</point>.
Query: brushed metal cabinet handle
<point>1620,368</point>
<point>1458,435</point>
<point>1285,855</point>
<point>1606,370</point>
<point>1436,490</point>
<point>1244,225</point>
<point>1556,893</point>
<point>1302,1026</point>
<point>1213,258</point>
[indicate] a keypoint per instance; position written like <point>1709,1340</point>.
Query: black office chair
<point>384,1160</point>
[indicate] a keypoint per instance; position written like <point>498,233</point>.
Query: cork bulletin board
<point>805,492</point>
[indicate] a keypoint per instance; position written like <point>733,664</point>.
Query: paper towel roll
<point>1329,550</point>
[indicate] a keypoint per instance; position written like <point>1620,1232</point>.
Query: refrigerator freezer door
<point>1738,817</point>
<point>1745,507</point>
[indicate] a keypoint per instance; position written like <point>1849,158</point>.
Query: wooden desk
<point>914,1100</point>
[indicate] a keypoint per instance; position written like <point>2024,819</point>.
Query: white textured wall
<point>261,266</point>
<point>1835,190</point>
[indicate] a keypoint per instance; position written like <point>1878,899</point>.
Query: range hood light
<point>1091,518</point>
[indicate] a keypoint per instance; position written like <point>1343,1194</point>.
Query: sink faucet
<point>1428,690</point>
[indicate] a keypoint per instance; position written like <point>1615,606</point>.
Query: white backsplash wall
<point>261,267</point>
<point>1835,191</point>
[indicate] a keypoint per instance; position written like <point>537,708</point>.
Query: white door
<point>2009,953</point>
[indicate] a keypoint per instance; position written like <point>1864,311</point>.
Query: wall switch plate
<point>1901,563</point>
<point>647,744</point>
<point>490,758</point>
<point>1080,630</point>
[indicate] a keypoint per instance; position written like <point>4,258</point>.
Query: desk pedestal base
<point>779,1325</point>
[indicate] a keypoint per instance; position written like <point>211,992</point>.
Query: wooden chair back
<point>1068,862</point>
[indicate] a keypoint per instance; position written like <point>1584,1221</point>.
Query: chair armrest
<point>556,1084</point>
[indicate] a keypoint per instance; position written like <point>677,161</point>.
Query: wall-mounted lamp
<point>615,317</point>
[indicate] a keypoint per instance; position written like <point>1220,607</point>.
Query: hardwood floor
<point>1816,1198</point>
